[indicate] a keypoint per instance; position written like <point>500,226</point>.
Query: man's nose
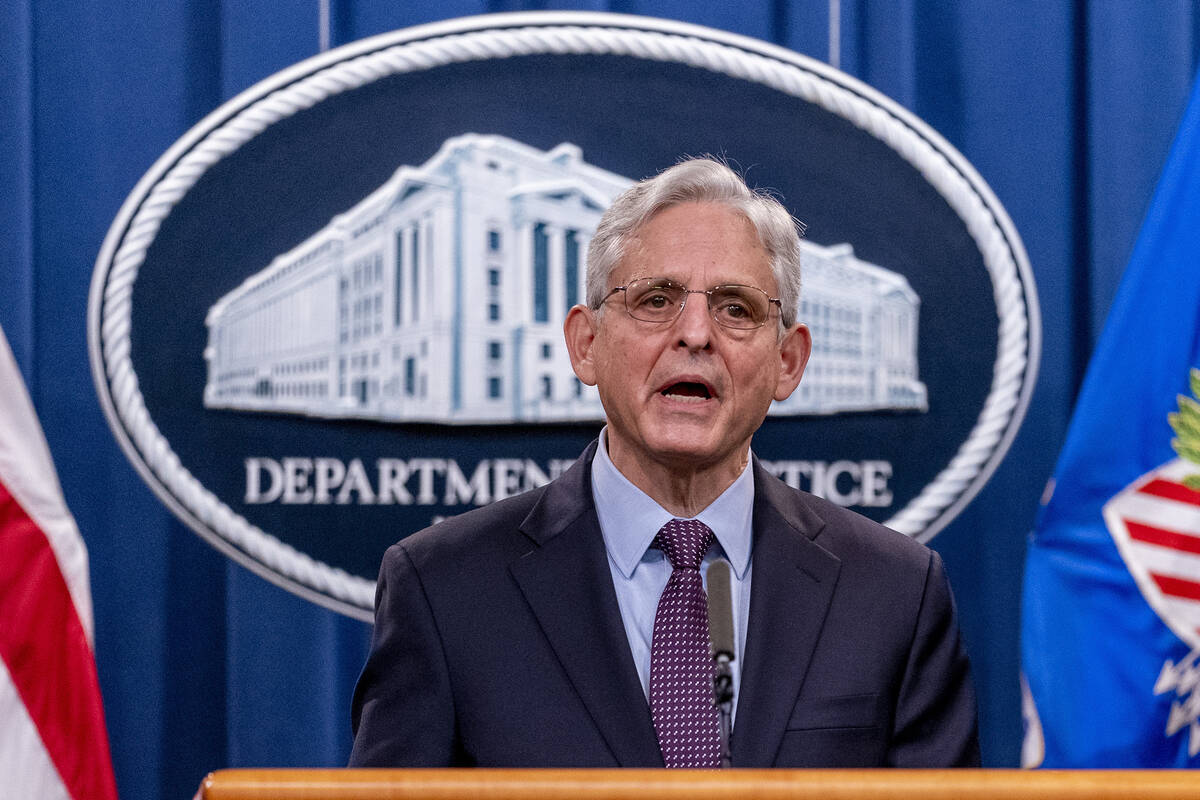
<point>694,325</point>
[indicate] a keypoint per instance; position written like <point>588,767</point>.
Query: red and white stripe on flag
<point>53,743</point>
<point>1156,525</point>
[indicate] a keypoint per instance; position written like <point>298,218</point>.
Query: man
<point>566,626</point>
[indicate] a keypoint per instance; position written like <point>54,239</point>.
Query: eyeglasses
<point>733,306</point>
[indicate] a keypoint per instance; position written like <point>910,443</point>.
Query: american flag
<point>53,742</point>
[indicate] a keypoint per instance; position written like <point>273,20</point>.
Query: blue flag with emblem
<point>1110,641</point>
<point>1111,626</point>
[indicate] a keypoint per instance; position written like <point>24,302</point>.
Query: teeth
<point>687,390</point>
<point>687,398</point>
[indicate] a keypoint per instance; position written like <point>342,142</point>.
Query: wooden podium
<point>615,784</point>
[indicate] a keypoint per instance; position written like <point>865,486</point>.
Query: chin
<point>687,451</point>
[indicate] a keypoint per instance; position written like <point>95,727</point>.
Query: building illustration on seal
<point>440,298</point>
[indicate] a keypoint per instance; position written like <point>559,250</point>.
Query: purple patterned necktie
<point>681,665</point>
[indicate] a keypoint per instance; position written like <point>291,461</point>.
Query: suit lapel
<point>568,585</point>
<point>791,588</point>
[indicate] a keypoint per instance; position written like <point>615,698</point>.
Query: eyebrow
<point>683,283</point>
<point>680,281</point>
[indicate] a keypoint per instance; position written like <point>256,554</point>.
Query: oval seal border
<point>424,47</point>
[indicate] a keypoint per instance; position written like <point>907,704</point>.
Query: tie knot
<point>685,542</point>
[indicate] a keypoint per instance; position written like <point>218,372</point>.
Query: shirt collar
<point>630,518</point>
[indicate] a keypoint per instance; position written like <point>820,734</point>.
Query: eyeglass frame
<point>708,293</point>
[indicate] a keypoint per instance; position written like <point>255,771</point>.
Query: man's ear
<point>579,329</point>
<point>794,349</point>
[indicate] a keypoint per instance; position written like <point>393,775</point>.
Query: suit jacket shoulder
<point>840,531</point>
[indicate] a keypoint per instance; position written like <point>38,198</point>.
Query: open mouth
<point>687,389</point>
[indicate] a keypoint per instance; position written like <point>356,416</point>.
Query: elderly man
<point>567,626</point>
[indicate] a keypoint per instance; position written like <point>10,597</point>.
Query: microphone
<point>720,633</point>
<point>720,611</point>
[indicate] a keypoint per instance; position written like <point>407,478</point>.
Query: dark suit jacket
<point>498,642</point>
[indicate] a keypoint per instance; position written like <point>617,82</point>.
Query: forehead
<point>698,243</point>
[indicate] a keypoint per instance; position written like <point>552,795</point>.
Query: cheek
<point>757,367</point>
<point>616,381</point>
<point>629,358</point>
<point>759,387</point>
<point>611,368</point>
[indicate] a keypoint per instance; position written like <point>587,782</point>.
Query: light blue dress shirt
<point>629,521</point>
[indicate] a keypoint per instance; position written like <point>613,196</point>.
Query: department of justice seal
<point>331,313</point>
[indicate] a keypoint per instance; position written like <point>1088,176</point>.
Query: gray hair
<point>698,180</point>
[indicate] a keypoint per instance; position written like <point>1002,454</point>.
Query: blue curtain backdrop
<point>1065,108</point>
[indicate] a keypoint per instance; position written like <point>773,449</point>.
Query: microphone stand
<point>723,697</point>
